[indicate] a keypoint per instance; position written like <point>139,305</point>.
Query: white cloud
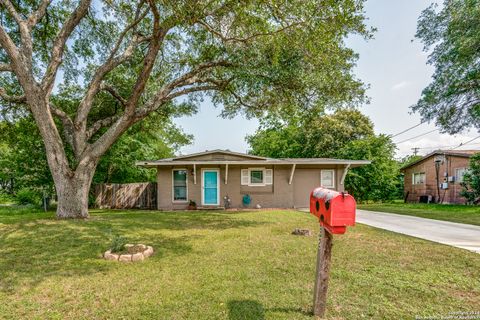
<point>401,85</point>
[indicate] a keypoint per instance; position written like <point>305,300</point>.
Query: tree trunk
<point>72,192</point>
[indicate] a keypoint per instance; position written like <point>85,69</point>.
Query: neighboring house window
<point>257,176</point>
<point>459,173</point>
<point>418,178</point>
<point>327,178</point>
<point>180,189</point>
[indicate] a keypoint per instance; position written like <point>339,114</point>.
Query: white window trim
<point>333,177</point>
<point>424,178</point>
<point>173,186</point>
<point>203,186</point>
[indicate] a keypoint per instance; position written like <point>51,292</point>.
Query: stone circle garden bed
<point>132,253</point>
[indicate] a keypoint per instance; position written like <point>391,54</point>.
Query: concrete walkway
<point>459,235</point>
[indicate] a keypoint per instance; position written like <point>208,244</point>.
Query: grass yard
<point>219,265</point>
<point>447,212</point>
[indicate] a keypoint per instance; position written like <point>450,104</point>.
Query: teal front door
<point>210,187</point>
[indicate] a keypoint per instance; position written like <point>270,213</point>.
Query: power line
<point>462,144</point>
<point>449,146</point>
<point>406,130</point>
<point>420,135</point>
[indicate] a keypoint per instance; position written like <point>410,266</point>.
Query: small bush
<point>28,196</point>
<point>6,198</point>
<point>118,244</point>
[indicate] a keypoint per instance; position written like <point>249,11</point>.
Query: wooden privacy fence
<point>126,195</point>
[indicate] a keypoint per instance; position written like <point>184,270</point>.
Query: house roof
<point>455,153</point>
<point>217,151</point>
<point>245,159</point>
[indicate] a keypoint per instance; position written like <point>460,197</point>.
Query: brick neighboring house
<point>420,180</point>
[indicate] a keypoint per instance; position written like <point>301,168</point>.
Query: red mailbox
<point>335,210</point>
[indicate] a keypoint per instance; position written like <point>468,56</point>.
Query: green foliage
<point>28,196</point>
<point>407,160</point>
<point>381,179</point>
<point>24,159</point>
<point>346,134</point>
<point>144,141</point>
<point>310,135</point>
<point>118,244</point>
<point>453,97</point>
<point>6,198</point>
<point>471,181</point>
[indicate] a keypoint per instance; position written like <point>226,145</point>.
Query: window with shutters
<point>256,177</point>
<point>327,178</point>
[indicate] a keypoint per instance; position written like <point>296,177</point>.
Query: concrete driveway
<point>459,235</point>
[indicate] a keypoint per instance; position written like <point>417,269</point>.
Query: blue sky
<point>393,65</point>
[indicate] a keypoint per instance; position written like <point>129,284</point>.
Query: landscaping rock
<point>147,253</point>
<point>138,257</point>
<point>110,256</point>
<point>135,252</point>
<point>302,232</point>
<point>125,258</point>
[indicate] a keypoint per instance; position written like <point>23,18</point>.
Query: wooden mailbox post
<point>335,211</point>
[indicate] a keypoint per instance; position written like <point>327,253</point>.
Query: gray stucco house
<point>210,177</point>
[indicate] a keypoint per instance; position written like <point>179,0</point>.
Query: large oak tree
<point>61,59</point>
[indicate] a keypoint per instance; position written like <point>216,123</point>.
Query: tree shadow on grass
<point>176,220</point>
<point>33,249</point>
<point>254,310</point>
<point>245,310</point>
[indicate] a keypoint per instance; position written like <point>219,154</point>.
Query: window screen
<point>256,176</point>
<point>179,185</point>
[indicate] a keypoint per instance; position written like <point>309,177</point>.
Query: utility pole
<point>415,151</point>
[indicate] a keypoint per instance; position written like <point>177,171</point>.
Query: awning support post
<point>194,173</point>
<point>291,173</point>
<point>226,173</point>
<point>345,171</point>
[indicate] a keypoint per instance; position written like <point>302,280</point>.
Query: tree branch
<point>60,42</point>
<point>246,39</point>
<point>114,93</point>
<point>38,15</point>
<point>68,128</point>
<point>5,67</point>
<point>9,46</point>
<point>122,123</point>
<point>95,85</point>
<point>101,124</point>
<point>13,12</point>
<point>138,17</point>
<point>9,98</point>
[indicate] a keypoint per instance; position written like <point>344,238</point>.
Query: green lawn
<point>219,265</point>
<point>447,212</point>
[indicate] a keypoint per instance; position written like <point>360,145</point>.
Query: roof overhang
<point>434,153</point>
<point>160,163</point>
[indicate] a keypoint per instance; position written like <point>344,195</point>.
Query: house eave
<point>160,163</point>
